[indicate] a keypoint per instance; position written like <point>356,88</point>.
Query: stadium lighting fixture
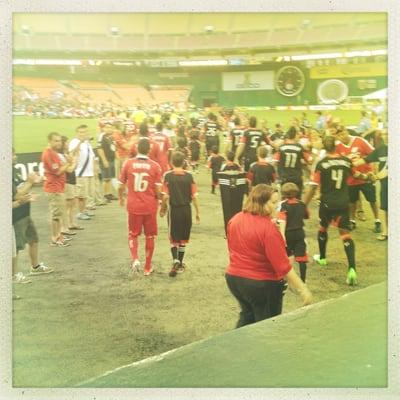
<point>122,63</point>
<point>45,62</point>
<point>202,63</point>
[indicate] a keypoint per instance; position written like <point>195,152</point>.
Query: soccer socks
<point>149,252</point>
<point>181,253</point>
<point>349,248</point>
<point>303,269</point>
<point>133,247</point>
<point>322,241</point>
<point>174,252</point>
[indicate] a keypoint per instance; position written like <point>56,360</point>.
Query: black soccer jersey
<point>180,187</point>
<point>293,211</point>
<point>289,156</point>
<point>215,162</point>
<point>253,139</point>
<point>261,172</point>
<point>211,129</point>
<point>235,137</point>
<point>331,174</point>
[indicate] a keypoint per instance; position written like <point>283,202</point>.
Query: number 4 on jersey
<point>337,175</point>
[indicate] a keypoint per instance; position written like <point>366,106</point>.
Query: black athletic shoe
<point>378,227</point>
<point>174,269</point>
<point>352,225</point>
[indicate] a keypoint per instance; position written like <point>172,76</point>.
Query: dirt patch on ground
<point>91,315</point>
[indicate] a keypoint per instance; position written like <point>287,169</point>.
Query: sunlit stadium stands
<point>164,94</point>
<point>43,87</point>
<point>132,94</point>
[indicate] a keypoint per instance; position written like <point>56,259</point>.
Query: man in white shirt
<point>84,169</point>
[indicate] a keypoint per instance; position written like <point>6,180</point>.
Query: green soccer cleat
<point>320,261</point>
<point>351,277</point>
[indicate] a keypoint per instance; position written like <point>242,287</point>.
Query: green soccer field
<point>29,133</point>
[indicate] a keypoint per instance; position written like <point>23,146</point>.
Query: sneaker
<point>351,277</point>
<point>66,239</point>
<point>378,227</point>
<point>320,261</point>
<point>135,266</point>
<point>59,243</point>
<point>92,208</point>
<point>148,272</point>
<point>41,269</point>
<point>102,203</point>
<point>181,268</point>
<point>174,269</point>
<point>83,216</point>
<point>88,213</point>
<point>112,197</point>
<point>76,228</point>
<point>352,225</point>
<point>19,277</point>
<point>67,233</point>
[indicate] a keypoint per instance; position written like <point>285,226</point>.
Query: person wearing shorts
<point>24,230</point>
<point>179,191</point>
<point>331,174</point>
<point>142,177</point>
<point>54,186</point>
<point>292,213</point>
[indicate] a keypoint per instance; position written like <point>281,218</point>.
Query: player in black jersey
<point>211,133</point>
<point>251,140</point>
<point>179,190</point>
<point>261,171</point>
<point>235,135</point>
<point>331,175</point>
<point>215,162</point>
<point>194,146</point>
<point>291,217</point>
<point>289,157</point>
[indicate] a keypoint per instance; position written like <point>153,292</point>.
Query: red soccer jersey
<point>358,147</point>
<point>121,140</point>
<point>256,248</point>
<point>164,145</point>
<point>141,175</point>
<point>154,153</point>
<point>52,163</point>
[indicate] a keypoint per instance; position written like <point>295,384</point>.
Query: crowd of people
<point>148,161</point>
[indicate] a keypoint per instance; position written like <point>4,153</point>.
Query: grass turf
<point>30,133</point>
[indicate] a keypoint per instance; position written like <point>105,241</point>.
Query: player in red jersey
<point>164,145</point>
<point>355,147</point>
<point>154,153</point>
<point>142,177</point>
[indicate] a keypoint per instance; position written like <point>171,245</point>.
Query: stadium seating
<point>43,87</point>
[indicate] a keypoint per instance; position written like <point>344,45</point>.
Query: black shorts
<point>368,189</point>
<point>384,195</point>
<point>195,156</point>
<point>296,245</point>
<point>212,141</point>
<point>339,218</point>
<point>247,163</point>
<point>180,223</point>
<point>108,173</point>
<point>25,232</point>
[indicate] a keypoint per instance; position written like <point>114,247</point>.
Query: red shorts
<point>148,222</point>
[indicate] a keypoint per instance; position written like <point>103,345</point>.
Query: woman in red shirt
<point>258,264</point>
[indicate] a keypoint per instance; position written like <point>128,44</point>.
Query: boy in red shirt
<point>142,176</point>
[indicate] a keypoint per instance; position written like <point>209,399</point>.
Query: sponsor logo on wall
<point>248,80</point>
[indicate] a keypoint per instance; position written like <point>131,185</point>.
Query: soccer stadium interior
<point>71,68</point>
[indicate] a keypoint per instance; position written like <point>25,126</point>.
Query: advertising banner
<point>28,163</point>
<point>349,71</point>
<point>248,80</point>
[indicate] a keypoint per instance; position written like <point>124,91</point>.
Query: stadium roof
<point>169,34</point>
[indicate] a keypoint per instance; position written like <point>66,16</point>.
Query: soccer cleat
<point>20,278</point>
<point>135,266</point>
<point>174,269</point>
<point>148,272</point>
<point>83,216</point>
<point>378,227</point>
<point>181,268</point>
<point>89,213</point>
<point>320,261</point>
<point>351,277</point>
<point>352,225</point>
<point>41,269</point>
